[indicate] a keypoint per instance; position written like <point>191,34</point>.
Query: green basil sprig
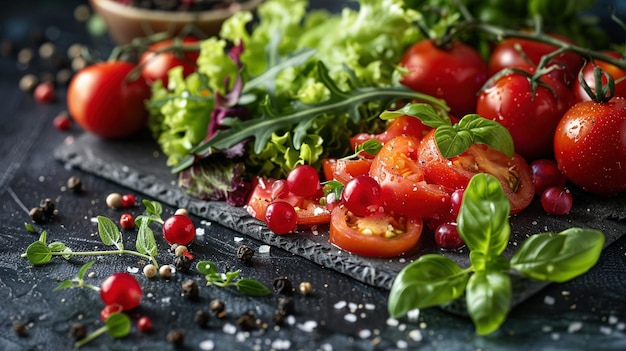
<point>484,226</point>
<point>453,139</point>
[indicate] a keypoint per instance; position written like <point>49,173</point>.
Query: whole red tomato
<point>530,118</point>
<point>103,99</point>
<point>588,75</point>
<point>514,52</point>
<point>454,74</point>
<point>590,146</point>
<point>166,54</point>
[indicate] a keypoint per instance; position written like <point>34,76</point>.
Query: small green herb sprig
<point>117,325</point>
<point>40,252</point>
<point>483,224</point>
<point>250,287</point>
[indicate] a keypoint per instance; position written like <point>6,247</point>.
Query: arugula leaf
<point>559,257</point>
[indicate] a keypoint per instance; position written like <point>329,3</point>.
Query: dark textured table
<point>342,313</point>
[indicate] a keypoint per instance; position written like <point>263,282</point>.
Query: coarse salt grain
<point>555,336</point>
<point>229,329</point>
<point>365,333</point>
<point>574,327</point>
<point>238,239</point>
<point>401,344</point>
<point>340,304</point>
<point>613,320</point>
<point>206,345</point>
<point>392,322</point>
<point>415,335</point>
<point>546,328</point>
<point>370,306</point>
<point>291,320</point>
<point>307,326</point>
<point>280,344</point>
<point>548,300</point>
<point>326,347</point>
<point>605,330</point>
<point>264,249</point>
<point>350,317</point>
<point>620,326</point>
<point>132,269</point>
<point>199,231</point>
<point>413,314</point>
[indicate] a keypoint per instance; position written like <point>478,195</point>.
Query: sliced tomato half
<point>514,173</point>
<point>342,170</point>
<point>310,211</point>
<point>376,235</point>
<point>404,189</point>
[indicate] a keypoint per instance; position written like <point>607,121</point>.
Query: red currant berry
<point>546,174</point>
<point>447,236</point>
<point>108,310</point>
<point>44,92</point>
<point>557,200</point>
<point>62,122</point>
<point>303,181</point>
<point>281,217</point>
<point>361,195</point>
<point>144,324</point>
<point>456,198</point>
<point>179,229</point>
<point>127,221</point>
<point>121,289</point>
<point>128,200</point>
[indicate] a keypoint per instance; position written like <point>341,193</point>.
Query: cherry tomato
<point>454,74</point>
<point>403,187</point>
<point>618,74</point>
<point>166,54</point>
<point>62,122</point>
<point>342,170</point>
<point>590,146</point>
<point>546,174</point>
<point>361,195</point>
<point>530,118</point>
<point>103,101</point>
<point>144,324</point>
<point>303,181</point>
<point>121,289</point>
<point>281,217</point>
<point>514,173</point>
<point>376,235</point>
<point>179,229</point>
<point>309,210</point>
<point>45,92</point>
<point>515,52</point>
<point>108,310</point>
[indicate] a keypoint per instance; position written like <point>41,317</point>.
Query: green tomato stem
<point>100,253</point>
<point>90,337</point>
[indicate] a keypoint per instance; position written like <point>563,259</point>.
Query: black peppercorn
<point>48,207</point>
<point>78,331</point>
<point>182,263</point>
<point>176,337</point>
<point>190,289</point>
<point>245,253</point>
<point>36,214</point>
<point>201,318</point>
<point>20,329</point>
<point>282,285</point>
<point>279,317</point>
<point>285,304</point>
<point>246,321</point>
<point>217,307</point>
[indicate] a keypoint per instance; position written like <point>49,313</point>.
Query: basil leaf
<point>488,298</point>
<point>428,281</point>
<point>252,287</point>
<point>483,221</point>
<point>118,325</point>
<point>559,257</point>
<point>146,244</point>
<point>38,253</point>
<point>424,112</point>
<point>206,267</point>
<point>473,129</point>
<point>108,231</point>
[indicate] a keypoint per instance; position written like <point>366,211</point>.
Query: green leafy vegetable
<point>246,286</point>
<point>117,325</point>
<point>484,227</point>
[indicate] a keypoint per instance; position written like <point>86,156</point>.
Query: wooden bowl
<point>126,22</point>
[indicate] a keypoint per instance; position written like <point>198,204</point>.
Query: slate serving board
<point>138,165</point>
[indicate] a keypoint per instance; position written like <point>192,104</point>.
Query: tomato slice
<point>514,173</point>
<point>343,170</point>
<point>377,235</point>
<point>404,189</point>
<point>309,210</point>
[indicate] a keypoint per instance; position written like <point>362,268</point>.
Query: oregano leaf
<point>38,253</point>
<point>146,243</point>
<point>252,287</point>
<point>108,231</point>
